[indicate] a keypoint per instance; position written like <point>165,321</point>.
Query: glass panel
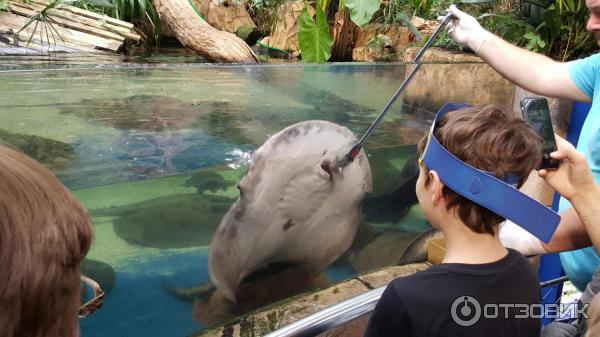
<point>155,154</point>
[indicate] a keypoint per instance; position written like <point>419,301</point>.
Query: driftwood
<point>344,36</point>
<point>197,35</point>
<point>73,30</point>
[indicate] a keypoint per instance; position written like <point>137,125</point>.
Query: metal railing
<point>331,317</point>
<point>347,311</point>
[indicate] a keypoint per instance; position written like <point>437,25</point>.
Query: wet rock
<point>133,113</point>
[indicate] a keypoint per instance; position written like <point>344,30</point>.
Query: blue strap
<point>486,190</point>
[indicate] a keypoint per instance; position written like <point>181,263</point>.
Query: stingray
<point>293,207</point>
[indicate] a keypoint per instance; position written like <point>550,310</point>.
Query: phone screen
<point>537,114</point>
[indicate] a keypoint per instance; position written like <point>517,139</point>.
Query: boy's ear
<point>437,187</point>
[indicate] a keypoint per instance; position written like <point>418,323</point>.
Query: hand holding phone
<point>536,113</point>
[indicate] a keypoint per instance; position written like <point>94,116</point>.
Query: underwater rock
<point>176,221</point>
<point>50,152</point>
<point>139,112</point>
<point>207,181</point>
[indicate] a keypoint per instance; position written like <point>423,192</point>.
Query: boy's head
<point>44,235</point>
<point>489,139</point>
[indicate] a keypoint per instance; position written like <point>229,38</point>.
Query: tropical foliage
<point>4,6</point>
<point>139,12</point>
<point>554,27</point>
<point>314,37</point>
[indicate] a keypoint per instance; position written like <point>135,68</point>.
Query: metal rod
<point>553,282</point>
<point>331,317</point>
<point>349,157</point>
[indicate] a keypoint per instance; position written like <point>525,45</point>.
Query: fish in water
<point>294,207</point>
<point>417,249</point>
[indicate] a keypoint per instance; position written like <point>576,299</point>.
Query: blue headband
<point>483,188</point>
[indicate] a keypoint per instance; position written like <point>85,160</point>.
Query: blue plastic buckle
<point>485,189</point>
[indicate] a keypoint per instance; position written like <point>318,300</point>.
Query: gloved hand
<point>513,236</point>
<point>465,30</point>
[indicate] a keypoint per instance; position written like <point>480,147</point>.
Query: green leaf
<point>314,37</point>
<point>4,6</point>
<point>361,11</point>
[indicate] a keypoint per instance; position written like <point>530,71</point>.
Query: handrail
<point>331,317</point>
<point>345,312</point>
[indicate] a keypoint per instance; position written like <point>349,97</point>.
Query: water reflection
<point>155,154</point>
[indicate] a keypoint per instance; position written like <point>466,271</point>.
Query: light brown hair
<point>44,235</point>
<point>487,138</point>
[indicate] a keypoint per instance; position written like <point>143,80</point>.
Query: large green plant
<point>564,30</point>
<point>315,38</point>
<point>139,12</point>
<point>315,35</point>
<point>553,27</point>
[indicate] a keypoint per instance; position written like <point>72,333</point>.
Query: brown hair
<point>44,234</point>
<point>487,138</point>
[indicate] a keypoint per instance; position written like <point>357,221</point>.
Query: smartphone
<point>536,113</point>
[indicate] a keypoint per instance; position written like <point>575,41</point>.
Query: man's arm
<point>574,180</point>
<point>532,71</point>
<point>571,234</point>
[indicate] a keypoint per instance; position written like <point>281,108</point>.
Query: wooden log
<point>17,9</point>
<point>344,36</point>
<point>88,14</point>
<point>95,23</point>
<point>197,35</point>
<point>67,36</point>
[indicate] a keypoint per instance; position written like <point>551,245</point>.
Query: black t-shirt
<point>422,304</point>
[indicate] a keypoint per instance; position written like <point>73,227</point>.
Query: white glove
<point>465,30</point>
<point>515,237</point>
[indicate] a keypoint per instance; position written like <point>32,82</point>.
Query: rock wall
<point>455,77</point>
<point>225,14</point>
<point>285,33</point>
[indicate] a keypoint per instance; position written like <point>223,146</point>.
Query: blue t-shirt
<point>580,264</point>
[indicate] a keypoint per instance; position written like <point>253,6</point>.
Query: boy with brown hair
<point>44,235</point>
<point>450,299</point>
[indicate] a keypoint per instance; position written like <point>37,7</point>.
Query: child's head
<point>44,235</point>
<point>489,139</point>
